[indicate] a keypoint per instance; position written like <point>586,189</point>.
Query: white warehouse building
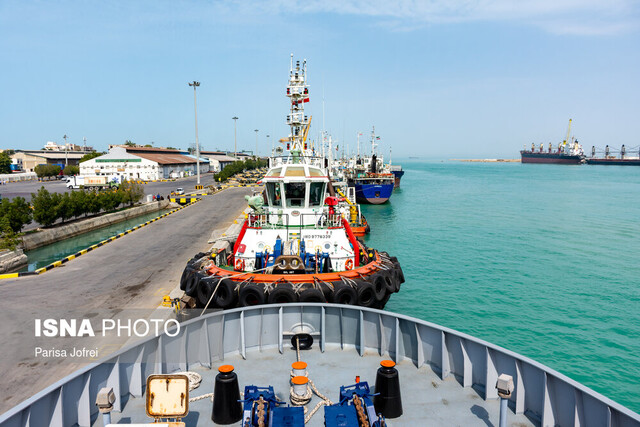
<point>142,163</point>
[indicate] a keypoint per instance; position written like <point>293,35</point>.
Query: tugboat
<point>372,184</point>
<point>296,243</point>
<point>569,152</point>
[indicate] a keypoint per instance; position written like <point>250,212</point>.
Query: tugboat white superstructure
<point>296,244</point>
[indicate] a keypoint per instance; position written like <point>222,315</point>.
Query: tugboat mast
<point>298,92</point>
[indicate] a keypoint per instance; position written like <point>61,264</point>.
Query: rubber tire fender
<point>283,293</point>
<point>312,295</point>
<point>226,296</point>
<point>381,283</point>
<point>193,260</point>
<point>188,271</point>
<point>251,294</point>
<point>366,294</point>
<point>191,287</point>
<point>399,271</point>
<point>380,304</point>
<point>204,289</point>
<point>344,294</point>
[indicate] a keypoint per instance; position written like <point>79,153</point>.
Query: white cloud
<point>586,17</point>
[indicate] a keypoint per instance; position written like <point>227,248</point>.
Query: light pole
<point>235,139</point>
<point>268,144</point>
<point>195,84</point>
<point>256,153</point>
<point>84,139</point>
<point>66,161</point>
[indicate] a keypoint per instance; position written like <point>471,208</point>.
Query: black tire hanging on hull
<point>226,295</point>
<point>191,286</point>
<point>283,293</point>
<point>204,290</point>
<point>366,294</point>
<point>380,283</point>
<point>251,294</point>
<point>312,295</point>
<point>188,271</point>
<point>344,294</point>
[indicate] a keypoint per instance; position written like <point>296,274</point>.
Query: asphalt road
<point>123,279</point>
<point>25,188</point>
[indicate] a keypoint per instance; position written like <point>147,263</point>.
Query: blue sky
<point>438,79</point>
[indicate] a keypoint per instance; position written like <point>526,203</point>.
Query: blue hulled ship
<point>373,185</point>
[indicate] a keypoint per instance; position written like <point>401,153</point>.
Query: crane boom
<point>306,130</point>
<point>566,141</point>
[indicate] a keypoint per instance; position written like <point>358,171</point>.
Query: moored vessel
<point>568,152</point>
<point>373,185</point>
<point>296,242</point>
<point>623,160</point>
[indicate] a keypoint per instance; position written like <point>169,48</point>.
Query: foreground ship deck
<point>447,377</point>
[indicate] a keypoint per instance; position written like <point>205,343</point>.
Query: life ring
<point>348,264</point>
<point>283,293</point>
<point>238,265</point>
<point>251,294</point>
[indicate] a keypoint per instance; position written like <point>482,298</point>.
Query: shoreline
<point>487,160</point>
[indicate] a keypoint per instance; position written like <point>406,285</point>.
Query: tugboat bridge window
<point>316,193</point>
<point>295,192</point>
<point>273,194</point>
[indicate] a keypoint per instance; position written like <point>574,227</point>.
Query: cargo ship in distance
<point>608,159</point>
<point>569,152</point>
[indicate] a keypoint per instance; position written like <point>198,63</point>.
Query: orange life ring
<point>239,264</point>
<point>348,265</point>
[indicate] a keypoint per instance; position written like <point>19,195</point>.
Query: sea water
<point>543,260</point>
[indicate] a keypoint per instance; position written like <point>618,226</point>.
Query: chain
<point>261,412</point>
<point>362,418</point>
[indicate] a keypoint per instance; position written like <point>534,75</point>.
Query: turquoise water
<point>45,255</point>
<point>540,259</point>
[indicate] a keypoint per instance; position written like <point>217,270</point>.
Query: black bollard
<point>387,400</point>
<point>226,395</point>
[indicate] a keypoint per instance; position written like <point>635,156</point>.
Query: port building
<point>144,163</point>
<point>29,159</point>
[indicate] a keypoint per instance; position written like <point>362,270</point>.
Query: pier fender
<point>191,287</point>
<point>312,295</point>
<point>366,294</point>
<point>344,294</point>
<point>282,293</point>
<point>251,294</point>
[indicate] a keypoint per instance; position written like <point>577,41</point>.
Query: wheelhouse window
<point>274,197</point>
<point>295,192</point>
<point>316,194</point>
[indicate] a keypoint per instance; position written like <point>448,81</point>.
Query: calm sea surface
<point>543,260</point>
